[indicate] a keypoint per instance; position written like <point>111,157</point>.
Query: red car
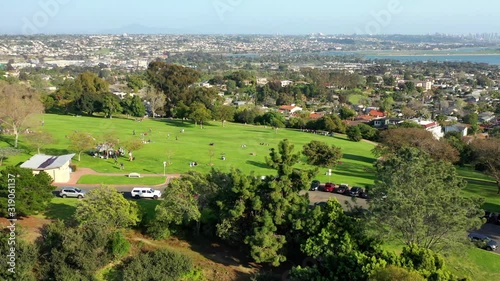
<point>329,187</point>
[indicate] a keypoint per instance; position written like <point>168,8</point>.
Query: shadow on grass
<point>60,211</point>
<point>258,164</point>
<point>56,151</point>
<point>491,207</point>
<point>359,158</point>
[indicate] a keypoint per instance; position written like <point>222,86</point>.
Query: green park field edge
<point>245,147</point>
<point>120,180</point>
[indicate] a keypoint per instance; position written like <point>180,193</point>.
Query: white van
<point>145,192</point>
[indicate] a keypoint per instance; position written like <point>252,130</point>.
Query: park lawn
<point>193,146</point>
<point>475,263</point>
<point>60,209</point>
<point>119,180</point>
<point>481,185</point>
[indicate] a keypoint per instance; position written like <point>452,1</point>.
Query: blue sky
<point>251,16</point>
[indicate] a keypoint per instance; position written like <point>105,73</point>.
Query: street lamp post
<point>164,168</point>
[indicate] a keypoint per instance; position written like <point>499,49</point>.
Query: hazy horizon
<point>249,17</point>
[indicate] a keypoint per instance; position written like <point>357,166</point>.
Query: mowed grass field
<point>169,144</point>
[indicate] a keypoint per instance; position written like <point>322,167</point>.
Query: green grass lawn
<point>60,208</point>
<point>118,180</point>
<point>481,185</point>
<point>475,263</point>
<point>193,146</point>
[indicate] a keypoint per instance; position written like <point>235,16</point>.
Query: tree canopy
<point>418,200</point>
<point>320,154</point>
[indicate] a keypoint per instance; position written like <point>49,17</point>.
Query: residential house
<point>56,166</point>
<point>384,123</point>
<point>431,126</point>
<point>289,109</point>
<point>486,117</point>
<point>376,114</point>
<point>285,83</point>
<point>460,128</point>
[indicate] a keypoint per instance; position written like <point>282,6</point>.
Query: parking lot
<point>346,201</point>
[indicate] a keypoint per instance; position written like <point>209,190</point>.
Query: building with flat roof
<point>56,166</point>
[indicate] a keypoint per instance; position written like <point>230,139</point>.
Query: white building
<point>431,126</point>
<point>56,166</point>
<point>460,128</point>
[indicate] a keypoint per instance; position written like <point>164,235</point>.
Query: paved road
<point>346,201</point>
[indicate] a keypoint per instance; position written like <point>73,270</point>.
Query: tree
<point>419,200</point>
<point>26,258</point>
<point>199,113</point>
<point>473,120</point>
<point>106,207</point>
<point>224,113</point>
<point>156,101</point>
<point>133,145</point>
<point>157,265</point>
<point>73,253</point>
<point>395,273</point>
<point>81,142</point>
<point>179,206</point>
<point>319,153</point>
<point>339,246</point>
<point>6,152</point>
<point>393,140</point>
<point>32,192</point>
<point>368,132</point>
<point>39,139</point>
<point>22,103</point>
<point>88,103</point>
<point>346,113</point>
<point>134,106</point>
<point>487,153</point>
<point>172,80</point>
<point>354,133</point>
<point>111,105</point>
<point>135,83</point>
<point>495,132</point>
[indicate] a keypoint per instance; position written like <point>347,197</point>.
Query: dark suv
<point>482,241</point>
<point>314,185</point>
<point>342,188</point>
<point>355,191</point>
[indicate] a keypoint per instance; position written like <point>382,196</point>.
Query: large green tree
<point>106,207</point>
<point>487,153</point>
<point>224,113</point>
<point>419,200</point>
<point>24,194</point>
<point>199,113</point>
<point>179,206</point>
<point>319,153</point>
<point>172,80</point>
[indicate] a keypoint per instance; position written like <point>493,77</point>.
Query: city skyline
<point>249,17</point>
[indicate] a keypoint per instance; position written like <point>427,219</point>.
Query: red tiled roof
<point>430,125</point>
<point>376,113</point>
<point>287,107</point>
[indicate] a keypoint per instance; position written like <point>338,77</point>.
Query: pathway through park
<point>75,176</point>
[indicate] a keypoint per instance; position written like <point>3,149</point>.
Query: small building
<point>431,126</point>
<point>462,129</point>
<point>289,109</point>
<point>56,166</point>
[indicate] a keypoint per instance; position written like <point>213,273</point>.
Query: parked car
<point>329,187</point>
<point>364,194</point>
<point>355,191</point>
<point>145,192</point>
<point>72,192</point>
<point>314,185</point>
<point>482,241</point>
<point>342,188</point>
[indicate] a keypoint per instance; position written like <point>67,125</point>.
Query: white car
<point>145,192</point>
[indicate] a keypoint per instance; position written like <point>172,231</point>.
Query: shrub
<point>72,167</point>
<point>119,246</point>
<point>164,265</point>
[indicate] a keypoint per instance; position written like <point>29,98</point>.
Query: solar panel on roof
<point>48,162</point>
